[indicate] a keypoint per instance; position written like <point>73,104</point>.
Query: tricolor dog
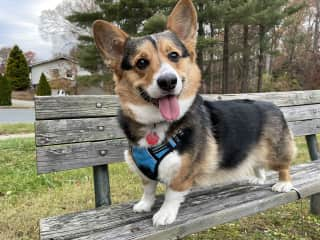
<point>176,137</point>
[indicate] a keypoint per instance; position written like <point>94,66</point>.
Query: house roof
<point>53,60</point>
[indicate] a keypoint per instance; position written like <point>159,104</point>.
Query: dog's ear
<point>110,40</point>
<point>183,21</point>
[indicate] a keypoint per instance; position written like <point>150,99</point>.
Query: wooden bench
<point>82,131</point>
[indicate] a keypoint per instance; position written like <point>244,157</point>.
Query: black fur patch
<point>237,126</point>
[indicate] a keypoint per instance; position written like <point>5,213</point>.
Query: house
<point>61,73</point>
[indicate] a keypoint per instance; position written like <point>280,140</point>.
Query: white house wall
<point>62,65</point>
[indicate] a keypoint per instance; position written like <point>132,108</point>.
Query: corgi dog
<point>175,136</point>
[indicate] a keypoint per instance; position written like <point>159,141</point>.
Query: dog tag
<point>152,138</point>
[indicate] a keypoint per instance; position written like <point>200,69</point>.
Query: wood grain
<point>86,106</point>
<point>203,208</point>
<point>72,156</point>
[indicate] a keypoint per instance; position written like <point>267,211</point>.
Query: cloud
<point>19,25</point>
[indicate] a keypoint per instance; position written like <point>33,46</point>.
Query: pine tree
<point>17,70</point>
<point>43,88</point>
<point>5,91</point>
<point>129,15</point>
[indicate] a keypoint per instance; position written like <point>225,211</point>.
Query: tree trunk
<point>225,66</point>
<point>260,57</point>
<point>316,28</point>
<point>245,59</point>
<point>200,53</point>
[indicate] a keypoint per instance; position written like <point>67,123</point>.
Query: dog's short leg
<point>169,209</point>
<point>148,197</point>
<point>284,184</point>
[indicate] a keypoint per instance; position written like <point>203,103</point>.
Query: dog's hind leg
<point>284,184</point>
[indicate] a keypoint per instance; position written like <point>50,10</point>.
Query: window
<point>69,73</point>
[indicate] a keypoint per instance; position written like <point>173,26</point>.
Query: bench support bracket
<point>314,155</point>
<point>101,185</point>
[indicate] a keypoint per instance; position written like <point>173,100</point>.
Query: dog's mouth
<point>168,105</point>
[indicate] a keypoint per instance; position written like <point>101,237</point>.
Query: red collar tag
<point>152,138</point>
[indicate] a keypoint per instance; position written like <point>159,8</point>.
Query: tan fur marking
<point>185,176</point>
<point>284,175</point>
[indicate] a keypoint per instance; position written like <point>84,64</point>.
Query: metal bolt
<point>99,105</point>
<point>101,128</point>
<point>103,152</point>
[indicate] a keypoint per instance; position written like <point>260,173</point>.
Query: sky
<point>19,25</point>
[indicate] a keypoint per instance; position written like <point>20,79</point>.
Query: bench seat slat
<point>86,106</point>
<point>202,209</point>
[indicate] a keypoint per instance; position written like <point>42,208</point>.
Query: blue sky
<point>19,25</point>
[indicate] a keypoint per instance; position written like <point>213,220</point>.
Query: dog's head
<point>156,76</point>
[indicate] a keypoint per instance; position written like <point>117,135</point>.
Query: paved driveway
<point>17,115</point>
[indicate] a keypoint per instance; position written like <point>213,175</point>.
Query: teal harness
<point>149,159</point>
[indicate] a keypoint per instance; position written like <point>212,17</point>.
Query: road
<point>17,115</point>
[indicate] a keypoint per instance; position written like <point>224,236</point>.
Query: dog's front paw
<point>165,216</point>
<point>143,206</point>
<point>282,187</point>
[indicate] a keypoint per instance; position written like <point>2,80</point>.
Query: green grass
<point>16,128</point>
<point>26,197</point>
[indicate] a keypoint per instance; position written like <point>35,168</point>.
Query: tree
<point>56,28</point>
<point>5,91</point>
<point>17,70</point>
<point>30,57</point>
<point>43,88</point>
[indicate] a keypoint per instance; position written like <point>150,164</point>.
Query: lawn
<point>17,128</point>
<point>26,197</point>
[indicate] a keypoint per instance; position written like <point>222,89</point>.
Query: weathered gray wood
<point>86,106</point>
<point>49,132</point>
<point>65,131</point>
<point>76,155</point>
<point>72,156</point>
<point>76,106</point>
<point>101,185</point>
<point>306,127</point>
<point>202,209</point>
<point>302,112</point>
<point>281,99</point>
<point>314,155</point>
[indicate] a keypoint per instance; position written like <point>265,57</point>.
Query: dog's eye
<point>174,56</point>
<point>142,63</point>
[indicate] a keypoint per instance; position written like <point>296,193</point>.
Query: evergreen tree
<point>17,70</point>
<point>129,15</point>
<point>5,91</point>
<point>43,88</point>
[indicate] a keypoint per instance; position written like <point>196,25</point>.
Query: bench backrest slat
<point>82,131</point>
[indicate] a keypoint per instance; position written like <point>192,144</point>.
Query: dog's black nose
<point>167,82</point>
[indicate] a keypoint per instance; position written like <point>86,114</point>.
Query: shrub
<point>5,91</point>
<point>17,70</point>
<point>43,88</point>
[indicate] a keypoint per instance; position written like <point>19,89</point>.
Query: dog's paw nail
<point>142,206</point>
<point>164,217</point>
<point>282,187</point>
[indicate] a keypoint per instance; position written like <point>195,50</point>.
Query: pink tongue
<point>169,108</point>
